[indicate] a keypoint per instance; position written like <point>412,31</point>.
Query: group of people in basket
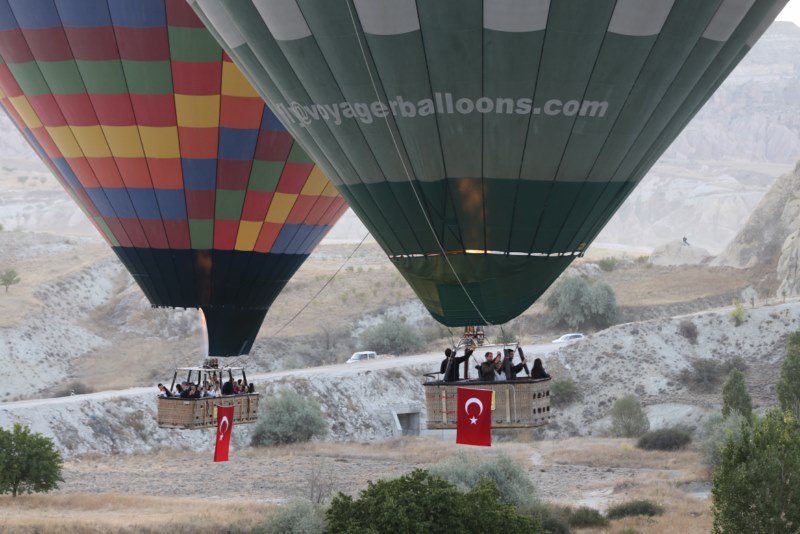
<point>188,390</point>
<point>495,367</point>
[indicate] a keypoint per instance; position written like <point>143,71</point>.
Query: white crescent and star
<point>226,423</point>
<point>474,400</point>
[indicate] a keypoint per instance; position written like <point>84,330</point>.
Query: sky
<point>791,12</point>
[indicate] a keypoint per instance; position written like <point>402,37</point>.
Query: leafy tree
<point>717,432</point>
<point>735,396</point>
<point>577,303</point>
<point>465,472</point>
<point>393,336</point>
<point>756,487</point>
<point>9,277</point>
<point>289,418</point>
<point>29,462</point>
<point>628,419</point>
<point>789,381</point>
<point>739,314</point>
<point>421,503</point>
<point>703,376</point>
<point>296,517</point>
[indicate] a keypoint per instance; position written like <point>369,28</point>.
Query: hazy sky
<point>791,12</point>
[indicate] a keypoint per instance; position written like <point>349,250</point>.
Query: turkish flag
<point>474,418</point>
<point>224,428</point>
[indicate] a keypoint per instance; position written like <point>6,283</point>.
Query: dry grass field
<point>179,492</point>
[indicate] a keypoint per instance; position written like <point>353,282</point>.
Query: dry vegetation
<point>174,491</point>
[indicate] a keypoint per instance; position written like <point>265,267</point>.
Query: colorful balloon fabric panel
<point>193,181</point>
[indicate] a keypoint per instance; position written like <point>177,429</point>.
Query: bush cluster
<point>628,419</point>
<point>634,508</point>
<point>739,314</point>
<point>391,336</point>
<point>718,430</point>
<point>295,517</point>
<point>608,264</point>
<point>579,303</point>
<point>465,471</point>
<point>288,418</point>
<point>688,329</point>
<point>563,392</point>
<point>665,439</point>
<point>703,376</point>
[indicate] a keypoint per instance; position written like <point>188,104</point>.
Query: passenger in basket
<point>499,372</point>
<point>227,387</point>
<point>163,391</point>
<point>538,370</point>
<point>449,366</point>
<point>487,368</point>
<point>251,388</point>
<point>512,369</point>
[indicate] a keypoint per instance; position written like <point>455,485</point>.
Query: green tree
<point>465,471</point>
<point>289,418</point>
<point>29,462</point>
<point>628,419</point>
<point>421,503</point>
<point>789,381</point>
<point>577,302</point>
<point>563,392</point>
<point>9,277</point>
<point>718,431</point>
<point>392,336</point>
<point>756,487</point>
<point>739,314</point>
<point>735,396</point>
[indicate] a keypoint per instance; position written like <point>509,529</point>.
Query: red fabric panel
<point>240,112</point>
<point>135,232</point>
<point>256,204</point>
<point>319,210</point>
<point>273,146</point>
<point>154,110</point>
<point>78,109</point>
<point>95,43</point>
<point>294,177</point>
<point>178,234</point>
<point>143,44</point>
<point>195,78</point>
<point>179,13</point>
<point>84,172</point>
<point>199,143</point>
<point>135,172</point>
<point>300,210</point>
<point>118,230</point>
<point>225,234</point>
<point>113,110</point>
<point>200,203</point>
<point>13,47</point>
<point>48,109</point>
<point>233,174</point>
<point>166,173</point>
<point>269,233</point>
<point>154,230</point>
<point>105,169</point>
<point>48,44</point>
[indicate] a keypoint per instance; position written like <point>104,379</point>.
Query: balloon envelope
<point>485,143</point>
<point>163,143</point>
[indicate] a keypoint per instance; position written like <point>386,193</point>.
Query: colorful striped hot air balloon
<point>155,133</point>
<point>485,143</point>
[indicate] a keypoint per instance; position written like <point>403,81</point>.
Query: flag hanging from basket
<point>224,428</point>
<point>474,418</point>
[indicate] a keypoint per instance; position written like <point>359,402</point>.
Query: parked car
<point>566,338</point>
<point>362,356</point>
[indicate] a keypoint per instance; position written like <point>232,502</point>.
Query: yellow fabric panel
<point>92,141</point>
<point>315,183</point>
<point>124,141</point>
<point>160,141</point>
<point>197,111</point>
<point>234,83</point>
<point>280,207</point>
<point>330,191</point>
<point>25,111</point>
<point>248,234</point>
<point>65,141</point>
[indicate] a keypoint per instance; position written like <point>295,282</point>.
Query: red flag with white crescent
<point>474,418</point>
<point>224,428</point>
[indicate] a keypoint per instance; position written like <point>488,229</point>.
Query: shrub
<point>9,277</point>
<point>73,388</point>
<point>789,380</point>
<point>465,472</point>
<point>29,462</point>
<point>608,264</point>
<point>393,336</point>
<point>688,329</point>
<point>288,418</point>
<point>735,396</point>
<point>554,519</point>
<point>628,418</point>
<point>578,303</point>
<point>421,503</point>
<point>585,517</point>
<point>563,392</point>
<point>703,376</point>
<point>634,508</point>
<point>736,362</point>
<point>717,432</point>
<point>665,439</point>
<point>738,314</point>
<point>295,517</point>
<point>756,486</point>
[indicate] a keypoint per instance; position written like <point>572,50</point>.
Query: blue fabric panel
<point>35,13</point>
<point>199,173</point>
<point>270,122</point>
<point>7,19</point>
<point>237,143</point>
<point>144,201</point>
<point>121,202</point>
<point>66,171</point>
<point>172,203</point>
<point>84,13</point>
<point>138,13</point>
<point>100,201</point>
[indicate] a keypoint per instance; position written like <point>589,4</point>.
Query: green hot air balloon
<point>485,143</point>
<point>160,139</point>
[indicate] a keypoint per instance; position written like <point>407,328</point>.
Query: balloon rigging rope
<point>307,304</point>
<point>405,168</point>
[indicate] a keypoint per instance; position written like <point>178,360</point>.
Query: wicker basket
<point>519,403</point>
<point>175,412</point>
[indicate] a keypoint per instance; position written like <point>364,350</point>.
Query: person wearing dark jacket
<point>486,369</point>
<point>538,370</point>
<point>449,366</point>
<point>227,387</point>
<point>509,368</point>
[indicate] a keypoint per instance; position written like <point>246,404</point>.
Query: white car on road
<point>567,338</point>
<point>362,356</point>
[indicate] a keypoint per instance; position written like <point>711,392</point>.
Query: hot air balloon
<point>159,138</point>
<point>485,143</point>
